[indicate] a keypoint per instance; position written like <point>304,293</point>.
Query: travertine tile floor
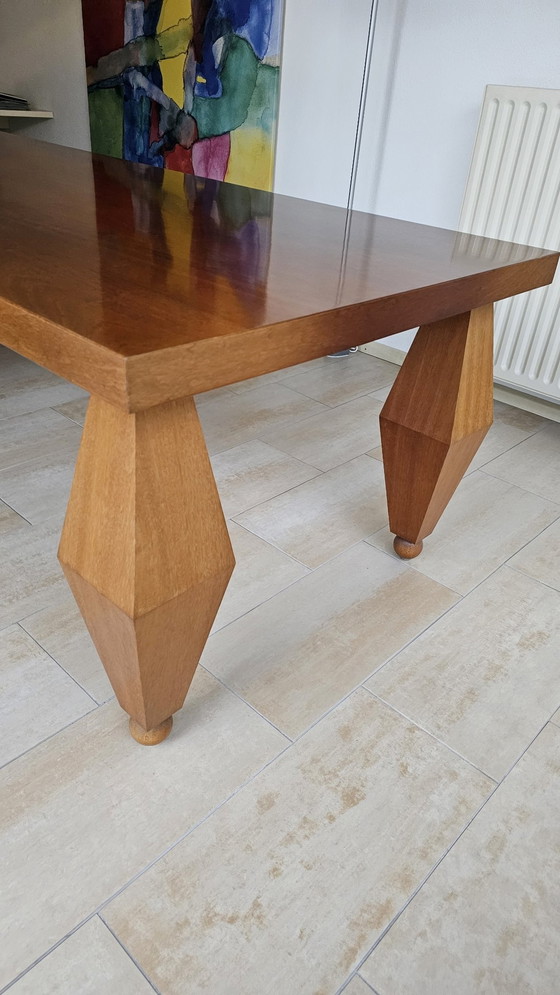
<point>362,792</point>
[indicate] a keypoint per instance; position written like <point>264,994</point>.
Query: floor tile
<point>39,488</point>
<point>344,380</point>
<point>212,395</point>
<point>383,393</point>
<point>9,519</point>
<point>485,678</point>
<point>518,418</point>
<point>332,437</point>
<point>84,812</point>
<point>357,987</point>
<point>289,884</point>
<point>267,378</point>
<point>76,410</point>
<point>25,400</point>
<point>322,517</point>
<point>541,557</point>
<point>90,962</point>
<point>36,697</point>
<point>487,919</point>
<point>230,420</point>
<point>37,434</point>
<point>486,521</point>
<point>25,387</point>
<point>252,473</point>
<point>501,437</point>
<point>261,572</point>
<point>376,453</point>
<point>30,578</point>
<point>297,655</point>
<point>61,631</point>
<point>511,426</point>
<point>534,464</point>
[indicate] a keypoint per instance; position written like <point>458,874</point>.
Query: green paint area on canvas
<point>106,121</point>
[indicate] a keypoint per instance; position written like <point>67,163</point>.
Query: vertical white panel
<point>513,193</point>
<point>321,79</point>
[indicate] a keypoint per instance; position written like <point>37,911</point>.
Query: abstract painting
<point>191,85</point>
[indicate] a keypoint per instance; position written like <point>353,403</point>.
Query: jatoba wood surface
<point>145,285</point>
<point>433,421</point>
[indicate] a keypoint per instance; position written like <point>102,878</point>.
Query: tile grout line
<point>51,736</point>
<point>69,417</point>
<point>353,976</point>
<point>432,735</point>
<point>505,481</point>
<point>240,697</point>
<point>462,598</point>
<point>509,449</point>
<point>164,853</point>
<point>8,505</point>
<point>318,473</point>
<point>356,687</point>
<point>365,393</point>
<point>58,664</point>
<point>523,573</point>
<point>289,419</point>
<point>129,955</point>
<point>310,570</point>
<point>445,854</point>
<point>321,473</point>
<point>326,366</point>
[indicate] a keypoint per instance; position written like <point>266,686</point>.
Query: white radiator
<point>513,193</point>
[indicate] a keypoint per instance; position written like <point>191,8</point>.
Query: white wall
<point>322,67</point>
<point>424,101</point>
<point>42,59</point>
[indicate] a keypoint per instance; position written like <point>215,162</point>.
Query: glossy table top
<point>146,284</point>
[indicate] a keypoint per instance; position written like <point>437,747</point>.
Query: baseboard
<point>527,402</point>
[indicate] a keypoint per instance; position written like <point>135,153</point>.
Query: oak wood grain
<point>146,550</point>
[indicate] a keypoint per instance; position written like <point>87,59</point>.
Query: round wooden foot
<point>405,549</point>
<point>150,737</point>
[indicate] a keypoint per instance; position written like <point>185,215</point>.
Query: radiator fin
<point>513,193</point>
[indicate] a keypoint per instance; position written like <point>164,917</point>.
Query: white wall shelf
<point>27,114</point>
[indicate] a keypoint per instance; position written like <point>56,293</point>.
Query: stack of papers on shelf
<point>10,103</point>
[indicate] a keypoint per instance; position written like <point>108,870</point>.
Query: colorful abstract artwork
<point>191,85</point>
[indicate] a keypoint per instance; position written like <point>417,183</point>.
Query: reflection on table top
<point>139,260</point>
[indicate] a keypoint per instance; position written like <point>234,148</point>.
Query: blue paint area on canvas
<point>191,84</point>
<point>248,19</point>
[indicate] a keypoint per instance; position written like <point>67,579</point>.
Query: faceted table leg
<point>434,420</point>
<point>146,551</point>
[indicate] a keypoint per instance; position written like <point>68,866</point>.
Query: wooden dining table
<point>146,287</point>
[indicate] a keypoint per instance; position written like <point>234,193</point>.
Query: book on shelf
<point>9,102</point>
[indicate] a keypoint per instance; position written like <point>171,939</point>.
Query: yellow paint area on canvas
<point>171,13</point>
<point>251,161</point>
<point>172,76</point>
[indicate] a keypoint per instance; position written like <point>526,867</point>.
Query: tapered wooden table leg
<point>434,419</point>
<point>146,551</point>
